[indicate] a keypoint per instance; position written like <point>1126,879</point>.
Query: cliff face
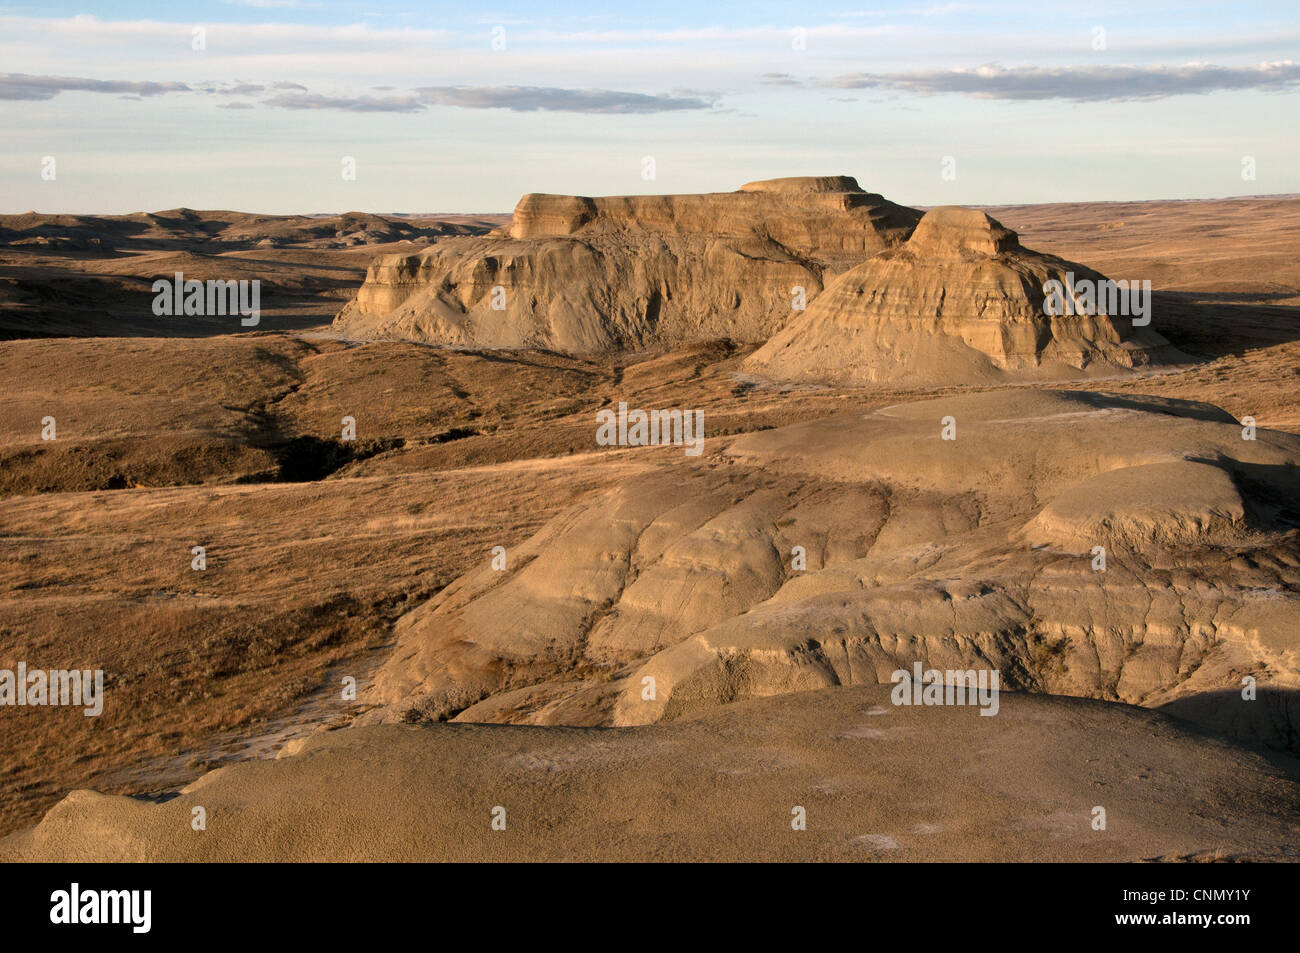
<point>960,302</point>
<point>585,275</point>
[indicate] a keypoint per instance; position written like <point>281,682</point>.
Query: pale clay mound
<point>877,782</point>
<point>587,275</point>
<point>961,302</point>
<point>966,553</point>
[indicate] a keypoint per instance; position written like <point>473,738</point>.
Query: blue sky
<point>1033,102</point>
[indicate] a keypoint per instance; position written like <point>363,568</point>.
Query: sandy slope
<point>878,782</point>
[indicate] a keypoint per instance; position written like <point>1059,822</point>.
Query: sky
<point>265,105</point>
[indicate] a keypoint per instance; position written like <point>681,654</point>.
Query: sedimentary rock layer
<point>585,275</point>
<point>975,552</point>
<point>960,302</point>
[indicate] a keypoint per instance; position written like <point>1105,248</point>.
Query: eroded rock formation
<point>585,275</point>
<point>960,302</point>
<point>976,552</point>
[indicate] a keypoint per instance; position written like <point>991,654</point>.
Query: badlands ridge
<point>583,275</point>
<point>964,554</point>
<point>849,287</point>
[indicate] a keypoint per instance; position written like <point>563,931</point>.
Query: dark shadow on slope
<point>1210,324</point>
<point>1269,723</point>
<point>305,458</point>
<point>1271,493</point>
<point>1173,406</point>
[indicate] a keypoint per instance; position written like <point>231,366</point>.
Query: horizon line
<point>356,211</point>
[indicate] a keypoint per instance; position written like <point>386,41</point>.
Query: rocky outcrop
<point>960,302</point>
<point>585,275</point>
<point>975,552</point>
